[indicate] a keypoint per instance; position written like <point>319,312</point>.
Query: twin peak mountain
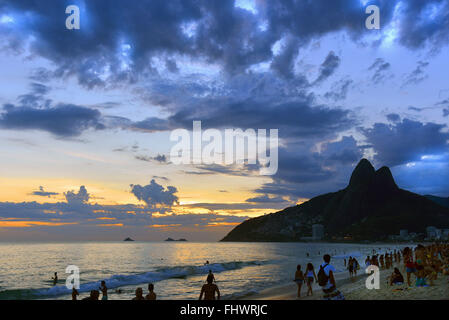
<point>371,207</point>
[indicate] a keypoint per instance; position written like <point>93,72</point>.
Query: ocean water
<point>176,268</point>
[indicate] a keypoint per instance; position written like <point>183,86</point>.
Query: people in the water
<point>151,295</point>
<point>55,279</point>
<point>74,293</point>
<point>104,290</point>
<point>94,294</point>
<point>139,294</point>
<point>210,274</point>
<point>209,289</point>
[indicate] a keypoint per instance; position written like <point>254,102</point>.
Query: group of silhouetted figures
<point>209,291</point>
<point>95,294</point>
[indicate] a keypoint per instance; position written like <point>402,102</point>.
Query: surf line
<point>191,310</point>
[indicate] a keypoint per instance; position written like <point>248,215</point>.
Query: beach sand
<point>355,289</point>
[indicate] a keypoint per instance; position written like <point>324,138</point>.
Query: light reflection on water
<point>177,269</point>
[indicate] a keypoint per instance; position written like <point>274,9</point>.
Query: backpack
<point>322,277</point>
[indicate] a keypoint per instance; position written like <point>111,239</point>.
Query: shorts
<point>299,281</point>
<point>410,270</point>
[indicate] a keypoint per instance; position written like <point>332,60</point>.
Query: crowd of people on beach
<point>95,294</point>
<point>425,263</point>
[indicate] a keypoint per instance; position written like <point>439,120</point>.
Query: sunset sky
<point>86,115</point>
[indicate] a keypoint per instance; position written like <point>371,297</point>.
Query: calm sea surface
<point>176,269</point>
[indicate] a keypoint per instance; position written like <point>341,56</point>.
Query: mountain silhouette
<point>441,201</point>
<point>371,207</point>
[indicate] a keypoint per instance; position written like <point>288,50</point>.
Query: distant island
<point>128,239</point>
<point>170,239</point>
<point>371,208</point>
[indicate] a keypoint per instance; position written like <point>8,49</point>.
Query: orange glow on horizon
<point>27,224</point>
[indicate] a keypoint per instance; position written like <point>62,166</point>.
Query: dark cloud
<point>122,40</point>
<point>415,109</point>
<point>299,118</point>
<point>266,199</point>
<point>406,141</point>
<point>96,215</point>
<point>41,192</point>
<point>424,23</point>
<point>445,112</point>
<point>417,75</point>
<point>155,195</point>
<point>80,197</point>
<point>379,67</point>
<point>171,65</point>
<point>64,120</point>
<point>237,206</point>
<point>328,67</point>
<point>284,62</point>
<point>230,170</point>
<point>393,117</point>
<point>36,98</point>
<point>304,172</point>
<point>159,158</point>
<point>339,90</point>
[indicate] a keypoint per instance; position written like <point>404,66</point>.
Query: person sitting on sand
<point>151,295</point>
<point>299,279</point>
<point>209,289</point>
<point>55,279</point>
<point>396,277</point>
<point>310,275</point>
<point>74,293</point>
<point>94,294</point>
<point>327,281</point>
<point>104,290</point>
<point>139,294</point>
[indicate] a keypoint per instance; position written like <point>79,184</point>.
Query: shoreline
<point>355,289</point>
